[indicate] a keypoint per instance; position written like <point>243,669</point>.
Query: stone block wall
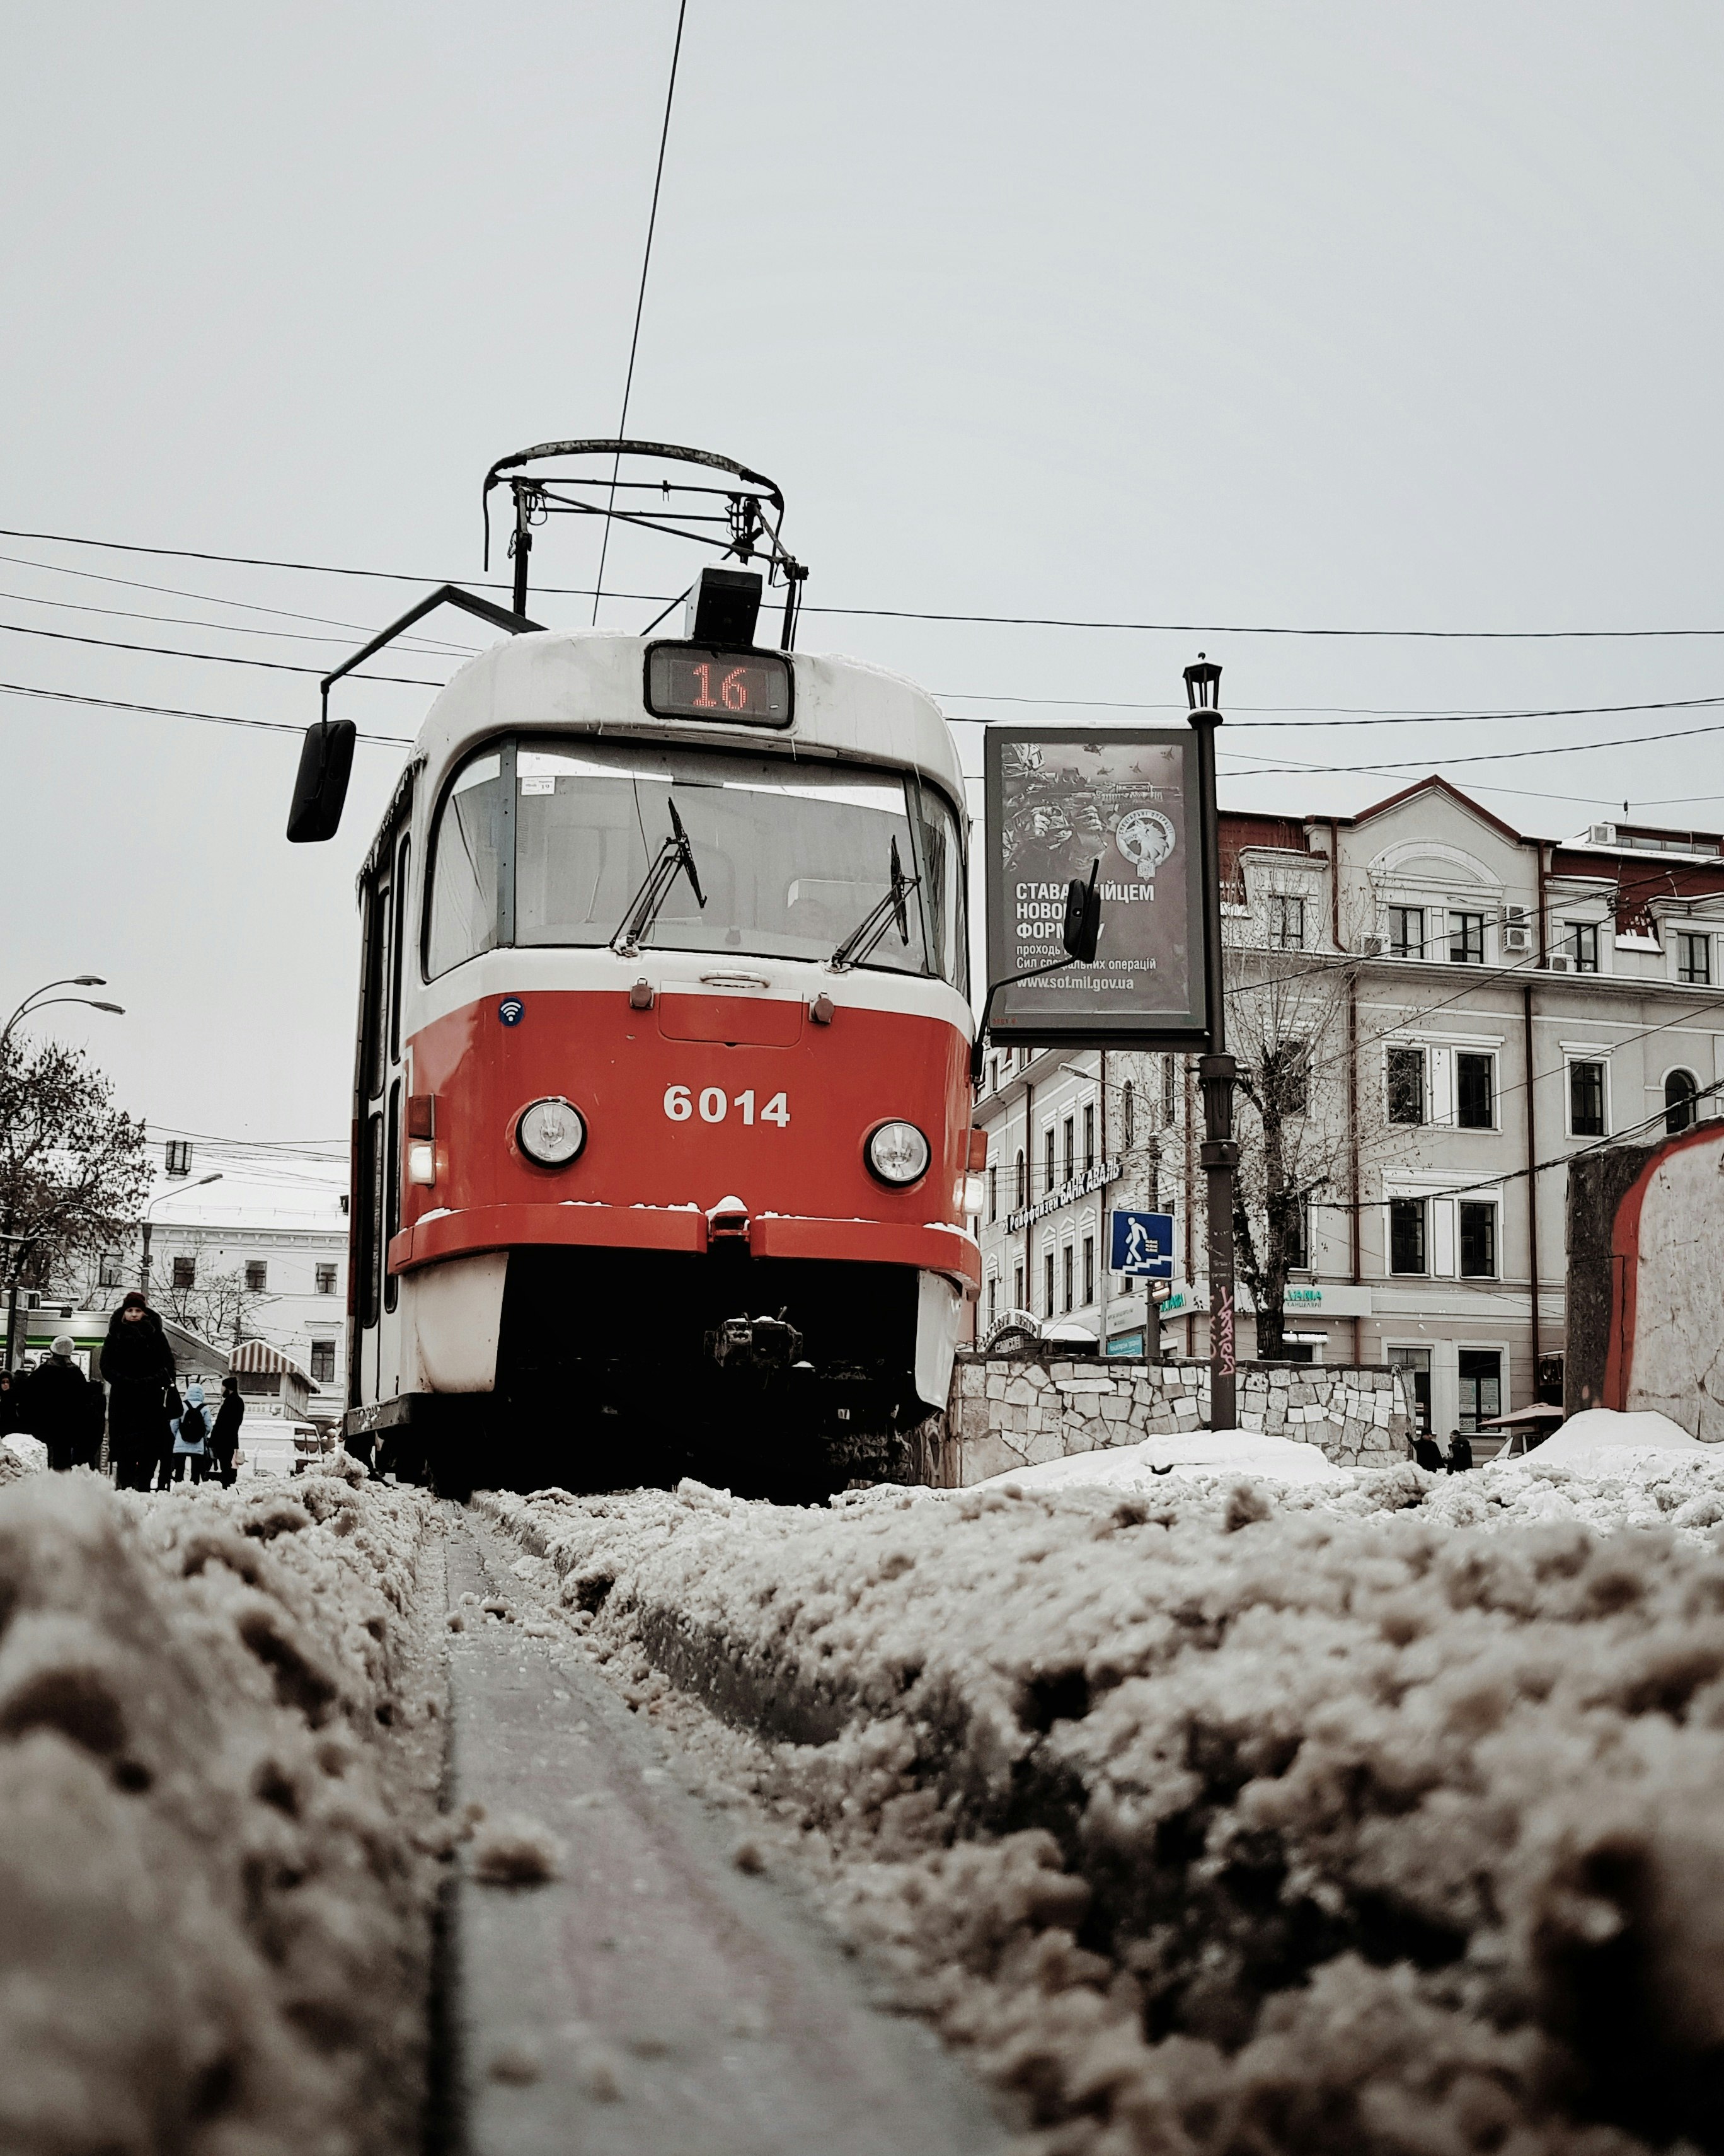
<point>1019,1410</point>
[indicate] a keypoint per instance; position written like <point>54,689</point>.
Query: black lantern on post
<point>1220,1152</point>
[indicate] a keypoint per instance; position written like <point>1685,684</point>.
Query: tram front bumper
<point>932,1247</point>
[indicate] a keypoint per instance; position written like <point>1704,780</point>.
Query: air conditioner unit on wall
<point>1516,939</point>
<point>1369,947</point>
<point>1602,835</point>
<point>1560,962</point>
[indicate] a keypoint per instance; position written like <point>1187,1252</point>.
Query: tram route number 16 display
<point>713,1104</point>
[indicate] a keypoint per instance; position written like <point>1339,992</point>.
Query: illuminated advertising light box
<point>1057,800</point>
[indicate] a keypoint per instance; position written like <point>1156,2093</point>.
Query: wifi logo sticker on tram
<point>511,1010</point>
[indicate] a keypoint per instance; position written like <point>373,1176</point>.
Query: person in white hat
<point>56,1403</point>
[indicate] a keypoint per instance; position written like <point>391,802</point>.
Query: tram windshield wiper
<point>891,911</point>
<point>676,857</point>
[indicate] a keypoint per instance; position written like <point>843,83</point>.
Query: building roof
<point>257,1355</point>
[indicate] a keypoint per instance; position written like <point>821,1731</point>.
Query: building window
<point>1680,1112</point>
<point>179,1156</point>
<point>1478,1240</point>
<point>108,1269</point>
<point>993,1297</point>
<point>1481,1388</point>
<point>1071,1148</point>
<point>1694,959</point>
<point>1048,1285</point>
<point>1406,1234</point>
<point>1066,1269</point>
<point>1299,1238</point>
<point>1406,932</point>
<point>1414,1364</point>
<point>1286,923</point>
<point>1089,1137</point>
<point>1169,1091</point>
<point>185,1272</point>
<point>1128,1113</point>
<point>1295,1061</point>
<point>323,1361</point>
<point>1582,941</point>
<point>994,1074</point>
<point>1406,1085</point>
<point>257,1275</point>
<point>1017,1287</point>
<point>1466,939</point>
<point>1022,1173</point>
<point>994,1192</point>
<point>325,1279</point>
<point>1048,1160</point>
<point>1586,1100</point>
<point>1089,1270</point>
<point>1474,1092</point>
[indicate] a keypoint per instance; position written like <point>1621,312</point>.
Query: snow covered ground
<point>213,1915</point>
<point>1229,1814</point>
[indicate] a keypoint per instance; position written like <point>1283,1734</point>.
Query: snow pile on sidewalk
<point>21,1454</point>
<point>210,1924</point>
<point>1603,1429</point>
<point>1221,1819</point>
<point>1184,1456</point>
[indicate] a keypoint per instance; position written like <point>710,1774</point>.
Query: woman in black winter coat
<point>224,1437</point>
<point>137,1367</point>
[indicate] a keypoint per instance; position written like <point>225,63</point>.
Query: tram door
<point>374,1356</point>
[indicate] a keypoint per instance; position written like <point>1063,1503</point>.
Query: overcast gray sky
<point>1345,316</point>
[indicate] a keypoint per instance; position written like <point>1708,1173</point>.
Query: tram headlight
<point>898,1153</point>
<point>551,1133</point>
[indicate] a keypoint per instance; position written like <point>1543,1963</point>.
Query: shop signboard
<point>1058,802</point>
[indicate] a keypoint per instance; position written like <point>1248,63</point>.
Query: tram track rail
<point>657,1995</point>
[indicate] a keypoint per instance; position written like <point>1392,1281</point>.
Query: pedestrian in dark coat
<point>1425,1452</point>
<point>9,1399</point>
<point>224,1437</point>
<point>137,1367</point>
<point>1461,1453</point>
<point>55,1405</point>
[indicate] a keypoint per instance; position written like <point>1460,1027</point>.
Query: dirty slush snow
<point>219,1744</point>
<point>1229,1818</point>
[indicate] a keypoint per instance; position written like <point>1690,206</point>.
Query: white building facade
<point>1479,1005</point>
<point>234,1260</point>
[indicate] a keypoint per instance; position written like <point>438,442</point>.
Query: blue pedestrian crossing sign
<point>1142,1244</point>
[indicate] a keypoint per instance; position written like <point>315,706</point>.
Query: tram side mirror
<point>320,792</point>
<point>1083,918</point>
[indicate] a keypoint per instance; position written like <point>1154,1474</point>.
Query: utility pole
<point>1220,1153</point>
<point>19,1247</point>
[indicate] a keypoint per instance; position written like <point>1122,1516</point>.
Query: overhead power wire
<point>646,262</point>
<point>907,613</point>
<point>173,711</point>
<point>222,628</point>
<point>209,658</point>
<point>215,598</point>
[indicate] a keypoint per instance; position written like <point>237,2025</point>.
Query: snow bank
<point>21,1454</point>
<point>210,1938</point>
<point>1228,1818</point>
<point>1194,1453</point>
<point>1601,1430</point>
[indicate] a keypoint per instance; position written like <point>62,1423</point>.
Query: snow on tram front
<point>662,1097</point>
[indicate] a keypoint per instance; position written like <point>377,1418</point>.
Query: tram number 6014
<point>714,1104</point>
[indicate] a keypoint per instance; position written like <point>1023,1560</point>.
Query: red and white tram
<point>662,1107</point>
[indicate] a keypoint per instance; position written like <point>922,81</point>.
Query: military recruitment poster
<point>1057,801</point>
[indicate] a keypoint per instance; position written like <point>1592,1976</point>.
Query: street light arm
<point>40,1000</point>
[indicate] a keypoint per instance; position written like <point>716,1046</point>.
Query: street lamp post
<point>161,1198</point>
<point>18,1249</point>
<point>40,999</point>
<point>1220,1152</point>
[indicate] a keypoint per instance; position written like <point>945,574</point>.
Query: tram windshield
<point>791,855</point>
